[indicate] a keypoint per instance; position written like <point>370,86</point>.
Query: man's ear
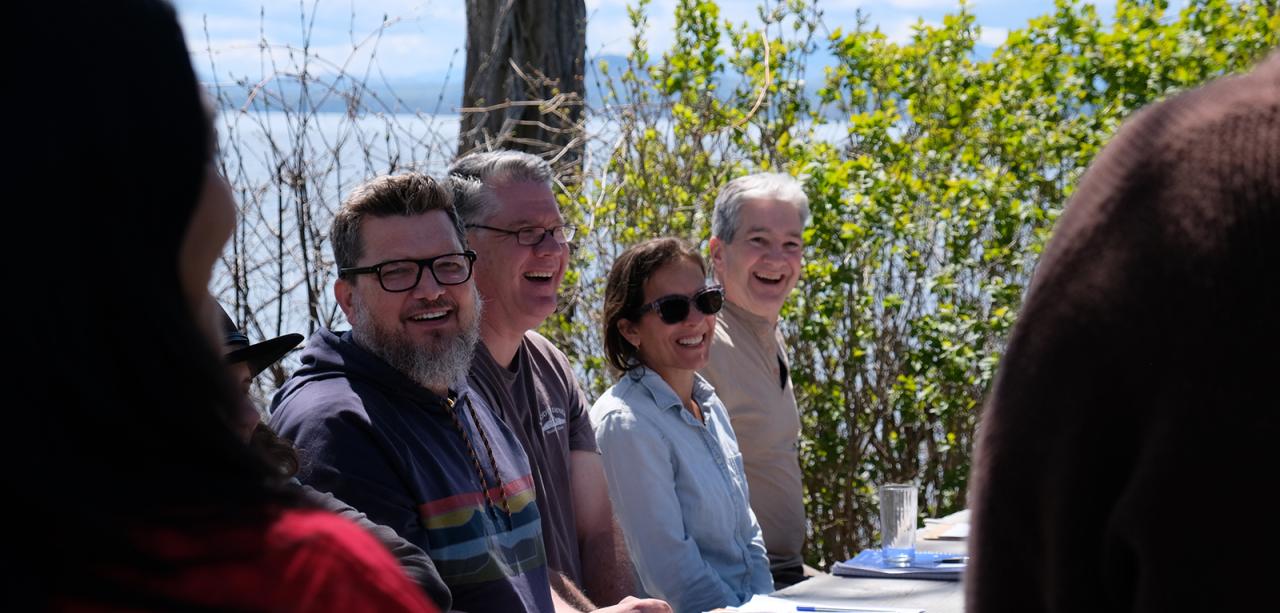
<point>715,248</point>
<point>343,292</point>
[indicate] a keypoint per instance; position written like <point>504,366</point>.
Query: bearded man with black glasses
<point>383,414</point>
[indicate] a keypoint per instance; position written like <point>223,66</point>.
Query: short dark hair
<point>388,196</point>
<point>624,291</point>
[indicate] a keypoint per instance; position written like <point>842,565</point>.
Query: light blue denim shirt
<point>679,491</point>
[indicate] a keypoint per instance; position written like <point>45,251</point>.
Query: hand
<point>631,604</point>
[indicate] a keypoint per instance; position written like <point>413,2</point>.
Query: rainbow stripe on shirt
<point>473,541</point>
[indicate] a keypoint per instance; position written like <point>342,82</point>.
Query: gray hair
<point>766,185</point>
<point>472,178</point>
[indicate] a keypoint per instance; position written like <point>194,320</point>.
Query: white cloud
<point>426,33</point>
<point>417,40</point>
<point>993,36</point>
<point>901,30</point>
<point>609,28</point>
<point>608,35</point>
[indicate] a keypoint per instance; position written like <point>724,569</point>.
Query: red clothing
<point>300,561</point>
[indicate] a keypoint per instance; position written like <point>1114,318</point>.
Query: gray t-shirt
<point>540,400</point>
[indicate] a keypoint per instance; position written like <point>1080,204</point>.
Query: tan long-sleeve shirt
<point>748,368</point>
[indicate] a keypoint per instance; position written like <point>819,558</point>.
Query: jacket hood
<point>330,355</point>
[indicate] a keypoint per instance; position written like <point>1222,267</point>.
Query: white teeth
<point>430,316</point>
<point>537,275</point>
<point>689,341</point>
<point>766,277</point>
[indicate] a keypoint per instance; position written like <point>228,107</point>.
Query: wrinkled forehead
<point>526,203</point>
<point>771,215</point>
<point>407,237</point>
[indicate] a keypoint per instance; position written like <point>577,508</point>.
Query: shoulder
<point>724,333</point>
<point>546,357</point>
<point>320,402</point>
<point>622,407</point>
<point>322,398</point>
<point>537,342</point>
<point>612,401</point>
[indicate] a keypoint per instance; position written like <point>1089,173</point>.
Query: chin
<point>541,308</point>
<point>770,303</point>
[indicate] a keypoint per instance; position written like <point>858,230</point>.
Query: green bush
<point>935,176</point>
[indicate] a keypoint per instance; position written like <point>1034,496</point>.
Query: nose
<point>548,246</point>
<point>427,288</point>
<point>697,318</point>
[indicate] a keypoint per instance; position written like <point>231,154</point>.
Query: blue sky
<point>426,35</point>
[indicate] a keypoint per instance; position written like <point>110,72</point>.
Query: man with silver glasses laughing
<point>514,224</point>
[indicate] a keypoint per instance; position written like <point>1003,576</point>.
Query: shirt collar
<point>665,397</point>
<point>757,324</point>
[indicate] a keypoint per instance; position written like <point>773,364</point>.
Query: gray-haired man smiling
<point>757,246</point>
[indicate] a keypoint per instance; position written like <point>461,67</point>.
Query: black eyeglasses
<point>674,309</point>
<point>404,275</point>
<point>534,235</point>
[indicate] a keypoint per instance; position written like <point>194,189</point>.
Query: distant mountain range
<point>401,96</point>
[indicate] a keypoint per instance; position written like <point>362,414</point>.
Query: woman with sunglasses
<point>675,474</point>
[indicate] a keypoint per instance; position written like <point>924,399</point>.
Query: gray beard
<point>443,362</point>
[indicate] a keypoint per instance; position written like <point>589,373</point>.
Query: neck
<point>771,318</point>
<point>502,344</point>
<point>681,382</point>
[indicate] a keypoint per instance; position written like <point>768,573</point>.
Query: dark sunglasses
<point>675,308</point>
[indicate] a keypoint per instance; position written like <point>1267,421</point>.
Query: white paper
<point>761,603</point>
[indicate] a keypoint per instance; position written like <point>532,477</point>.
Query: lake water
<point>292,170</point>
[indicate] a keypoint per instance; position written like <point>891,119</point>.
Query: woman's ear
<point>629,331</point>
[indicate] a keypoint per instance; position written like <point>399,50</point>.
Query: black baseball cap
<point>258,356</point>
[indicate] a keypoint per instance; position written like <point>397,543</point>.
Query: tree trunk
<point>524,78</point>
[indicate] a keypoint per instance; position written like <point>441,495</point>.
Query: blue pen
<point>844,610</point>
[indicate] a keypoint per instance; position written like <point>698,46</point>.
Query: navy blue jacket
<point>389,447</point>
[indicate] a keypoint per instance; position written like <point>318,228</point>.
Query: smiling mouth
<point>539,277</point>
<point>771,279</point>
<point>435,315</point>
<point>691,341</point>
